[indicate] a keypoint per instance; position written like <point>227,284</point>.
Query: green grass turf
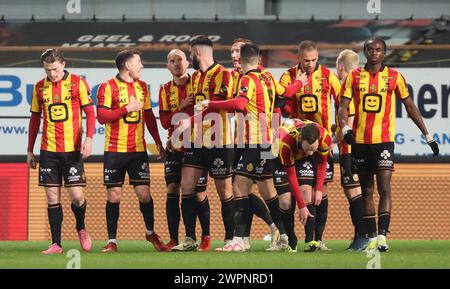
<point>140,254</point>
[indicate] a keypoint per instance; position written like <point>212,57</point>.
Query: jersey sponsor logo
<point>132,117</point>
<point>218,162</point>
<point>307,165</point>
<point>74,176</point>
<point>372,103</point>
<point>385,154</point>
<point>308,103</point>
<point>73,171</point>
<point>58,112</point>
<point>144,166</point>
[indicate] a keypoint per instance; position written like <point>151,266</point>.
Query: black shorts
<point>217,161</point>
<point>54,166</point>
<point>237,156</point>
<point>368,158</point>
<point>172,171</point>
<point>349,178</point>
<point>280,178</point>
<point>255,163</point>
<point>134,163</point>
<point>307,170</point>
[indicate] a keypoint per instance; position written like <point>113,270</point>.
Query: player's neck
<point>204,65</point>
<point>247,68</point>
<point>181,80</point>
<point>374,68</point>
<point>125,76</point>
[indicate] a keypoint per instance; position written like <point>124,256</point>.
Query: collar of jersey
<point>122,80</point>
<point>382,67</point>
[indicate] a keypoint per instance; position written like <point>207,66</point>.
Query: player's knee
<point>173,189</point>
<point>285,201</point>
<point>78,199</point>
<point>351,193</point>
<point>52,195</point>
<point>224,189</point>
<point>307,193</point>
<point>143,193</point>
<point>384,189</point>
<point>113,194</point>
<point>187,186</point>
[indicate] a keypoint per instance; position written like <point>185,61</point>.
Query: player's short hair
<point>201,40</point>
<point>175,51</point>
<point>349,59</point>
<point>250,53</point>
<point>123,56</point>
<point>375,39</point>
<point>306,45</point>
<point>52,55</point>
<point>243,40</point>
<point>310,133</point>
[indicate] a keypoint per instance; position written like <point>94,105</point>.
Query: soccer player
<point>346,62</point>
<point>210,150</point>
<point>123,105</point>
<point>176,97</point>
<point>298,143</point>
<point>60,97</point>
<point>373,89</point>
<point>256,99</point>
<point>257,206</point>
<point>313,103</point>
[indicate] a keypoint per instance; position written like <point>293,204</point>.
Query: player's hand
<point>303,215</point>
<point>187,102</point>
<point>318,197</point>
<point>134,105</point>
<point>161,152</point>
<point>205,103</point>
<point>31,160</point>
<point>433,145</point>
<point>349,135</point>
<point>86,149</point>
<point>303,77</point>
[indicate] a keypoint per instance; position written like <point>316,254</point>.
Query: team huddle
<point>244,129</point>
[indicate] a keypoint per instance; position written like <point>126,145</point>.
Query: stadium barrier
<point>421,207</point>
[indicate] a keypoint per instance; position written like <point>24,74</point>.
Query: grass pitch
<point>140,254</point>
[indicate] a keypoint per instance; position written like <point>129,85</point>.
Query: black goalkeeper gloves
<point>433,145</point>
<point>349,135</point>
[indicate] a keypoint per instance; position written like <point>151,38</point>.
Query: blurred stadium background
<point>91,32</point>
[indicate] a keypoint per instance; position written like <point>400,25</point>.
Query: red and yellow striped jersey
<point>126,134</point>
<point>170,97</point>
<point>313,101</point>
<point>61,103</point>
<point>260,88</point>
<point>344,147</point>
<point>374,97</point>
<point>213,84</point>
<point>236,76</point>
<point>290,139</point>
